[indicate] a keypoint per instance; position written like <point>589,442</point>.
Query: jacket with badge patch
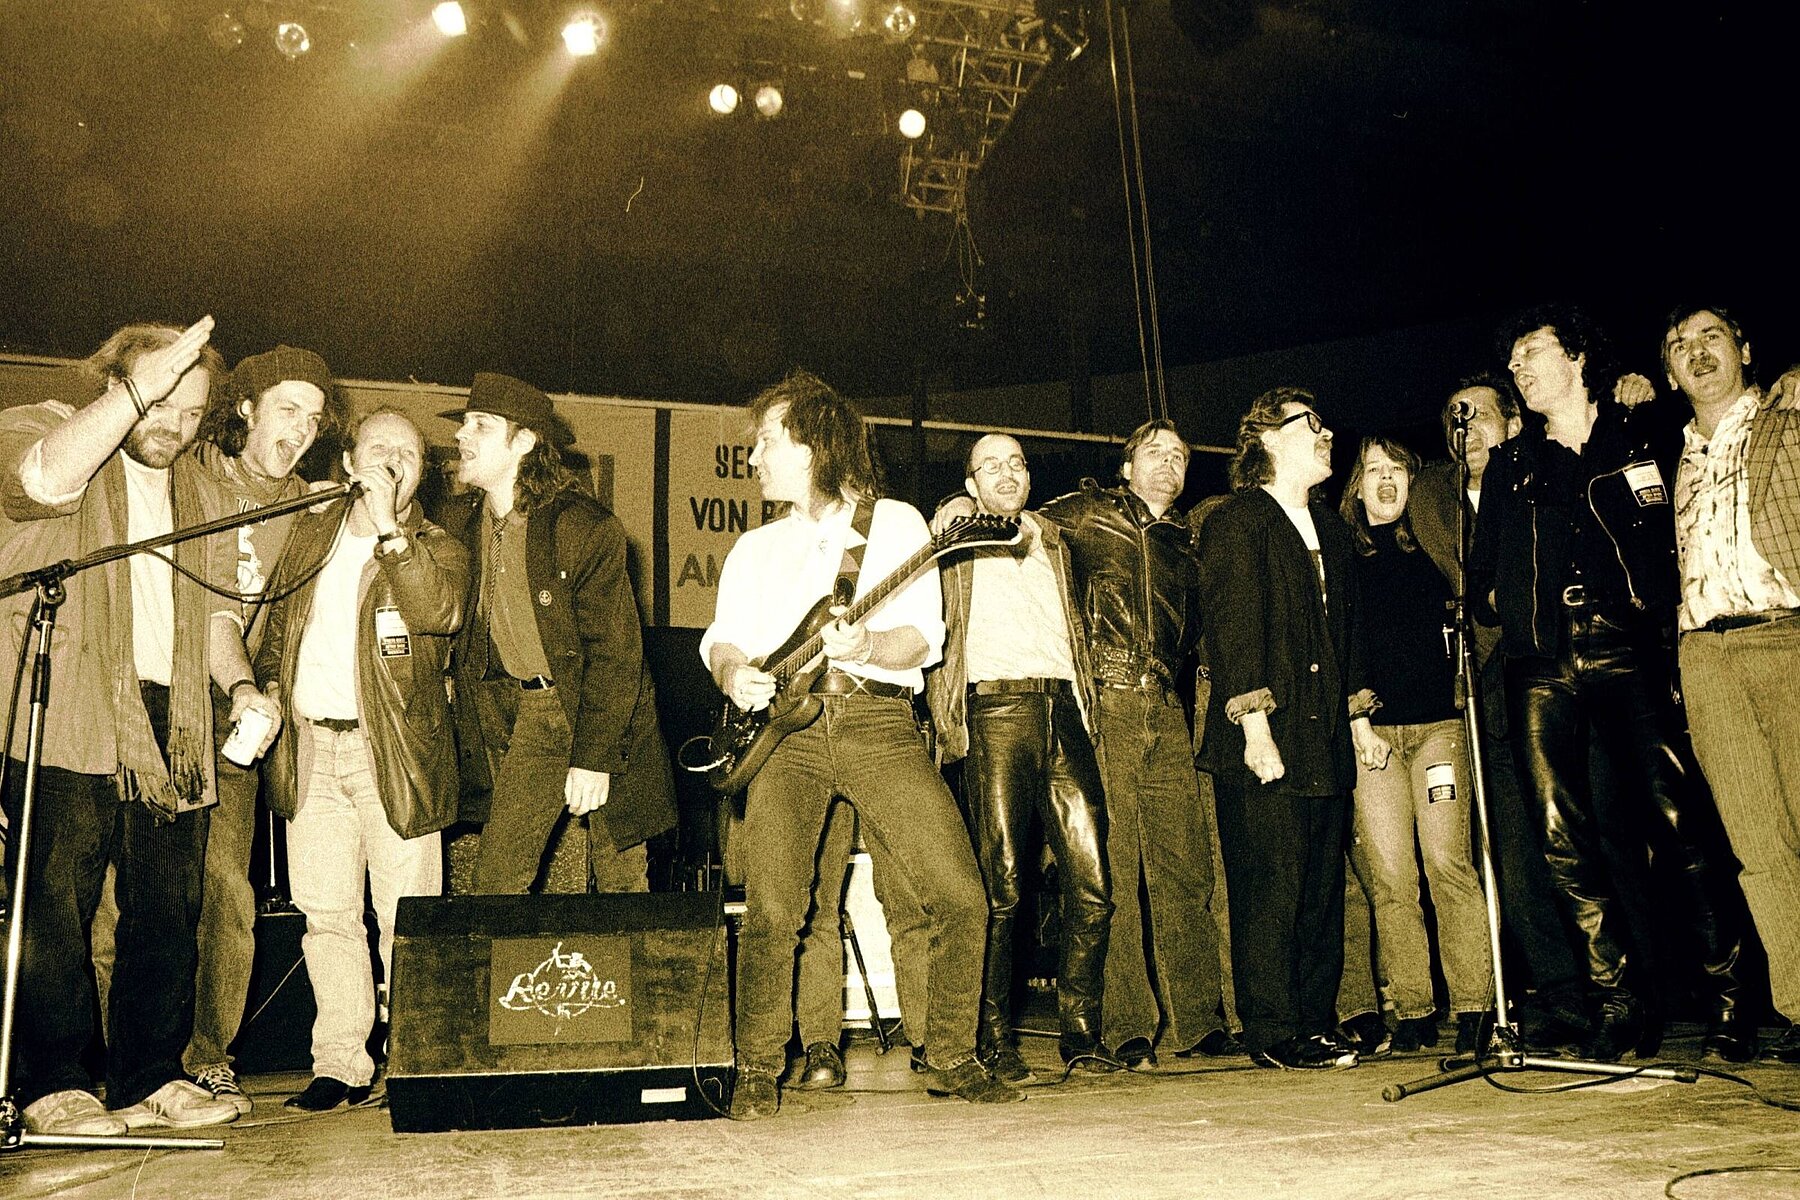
<point>400,698</point>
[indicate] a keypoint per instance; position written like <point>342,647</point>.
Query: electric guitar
<point>742,740</point>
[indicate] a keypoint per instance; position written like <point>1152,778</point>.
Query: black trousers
<point>1030,756</point>
<point>1609,683</point>
<point>1284,871</point>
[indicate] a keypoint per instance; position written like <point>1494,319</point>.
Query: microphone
<point>1462,411</point>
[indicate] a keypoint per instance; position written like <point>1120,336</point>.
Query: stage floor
<point>1214,1129</point>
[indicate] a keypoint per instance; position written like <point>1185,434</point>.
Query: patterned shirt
<point>1721,572</point>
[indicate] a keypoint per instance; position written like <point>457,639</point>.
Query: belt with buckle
<point>337,724</point>
<point>841,683</point>
<point>1576,596</point>
<point>537,683</point>
<point>1748,620</point>
<point>1018,687</point>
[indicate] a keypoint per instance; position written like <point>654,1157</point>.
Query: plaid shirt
<point>1737,514</point>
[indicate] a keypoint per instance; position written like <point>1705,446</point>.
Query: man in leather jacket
<point>366,774</point>
<point>1136,588</point>
<point>1574,559</point>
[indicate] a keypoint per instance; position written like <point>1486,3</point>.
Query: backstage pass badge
<point>391,636</point>
<point>1646,484</point>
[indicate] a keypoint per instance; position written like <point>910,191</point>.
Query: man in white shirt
<point>813,452</point>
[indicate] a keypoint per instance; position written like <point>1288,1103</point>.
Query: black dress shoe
<point>755,1096</point>
<point>1136,1053</point>
<point>970,1081</point>
<point>1415,1033</point>
<point>1783,1048</point>
<point>1005,1063</point>
<point>1220,1043</point>
<point>1089,1055</point>
<point>1315,1053</point>
<point>1367,1034</point>
<point>823,1068</point>
<point>1620,1027</point>
<point>325,1093</point>
<point>1730,1039</point>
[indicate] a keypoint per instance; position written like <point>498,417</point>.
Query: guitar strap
<point>860,519</point>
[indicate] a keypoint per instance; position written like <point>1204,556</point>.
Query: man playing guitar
<point>813,451</point>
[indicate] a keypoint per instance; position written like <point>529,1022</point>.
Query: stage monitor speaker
<point>513,1012</point>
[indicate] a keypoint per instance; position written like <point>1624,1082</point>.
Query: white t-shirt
<point>148,514</point>
<point>325,677</point>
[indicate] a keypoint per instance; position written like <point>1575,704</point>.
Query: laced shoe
<point>1367,1034</point>
<point>221,1081</point>
<point>178,1104</point>
<point>755,1096</point>
<point>73,1113</point>
<point>968,1079</point>
<point>1005,1063</point>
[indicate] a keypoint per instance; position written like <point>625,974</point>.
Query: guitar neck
<point>814,646</point>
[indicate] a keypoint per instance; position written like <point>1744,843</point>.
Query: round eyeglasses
<point>991,466</point>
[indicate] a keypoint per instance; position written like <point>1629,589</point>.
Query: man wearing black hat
<point>553,697</point>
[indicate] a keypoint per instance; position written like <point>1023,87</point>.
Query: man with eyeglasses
<point>1134,584</point>
<point>1015,696</point>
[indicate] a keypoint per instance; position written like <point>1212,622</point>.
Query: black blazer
<point>1267,627</point>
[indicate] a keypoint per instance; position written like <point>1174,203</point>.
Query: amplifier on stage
<point>521,1011</point>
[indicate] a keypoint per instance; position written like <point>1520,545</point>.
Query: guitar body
<point>742,741</point>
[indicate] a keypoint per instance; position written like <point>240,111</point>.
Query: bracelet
<point>137,397</point>
<point>245,681</point>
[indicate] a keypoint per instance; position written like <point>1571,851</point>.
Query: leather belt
<point>537,683</point>
<point>1576,596</point>
<point>1016,687</point>
<point>1149,681</point>
<point>841,683</point>
<point>1748,620</point>
<point>337,724</point>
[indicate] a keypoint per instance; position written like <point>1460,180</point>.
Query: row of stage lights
<point>585,33</point>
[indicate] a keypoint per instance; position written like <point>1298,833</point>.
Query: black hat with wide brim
<point>517,401</point>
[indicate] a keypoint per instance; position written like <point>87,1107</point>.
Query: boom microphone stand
<point>48,581</point>
<point>1506,1052</point>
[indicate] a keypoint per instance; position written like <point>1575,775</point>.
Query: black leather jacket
<point>1524,538</point>
<point>1135,582</point>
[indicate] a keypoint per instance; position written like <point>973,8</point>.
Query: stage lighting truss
<point>977,59</point>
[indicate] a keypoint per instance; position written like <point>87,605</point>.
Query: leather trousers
<point>1609,687</point>
<point>1030,757</point>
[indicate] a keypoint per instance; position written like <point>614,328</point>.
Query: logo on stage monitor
<point>560,990</point>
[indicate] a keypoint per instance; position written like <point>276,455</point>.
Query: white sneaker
<point>221,1081</point>
<point>73,1113</point>
<point>178,1104</point>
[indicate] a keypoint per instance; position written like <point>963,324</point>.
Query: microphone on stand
<point>1462,411</point>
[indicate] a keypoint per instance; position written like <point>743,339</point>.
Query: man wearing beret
<point>553,701</point>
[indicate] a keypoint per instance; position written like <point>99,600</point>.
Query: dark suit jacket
<point>1431,507</point>
<point>1268,631</point>
<point>587,618</point>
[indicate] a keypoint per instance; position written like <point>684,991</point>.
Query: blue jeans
<point>1162,960</point>
<point>867,750</point>
<point>1398,822</point>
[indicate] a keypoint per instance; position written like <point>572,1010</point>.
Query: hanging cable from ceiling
<point>1137,211</point>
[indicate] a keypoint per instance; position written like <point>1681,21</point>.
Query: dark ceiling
<point>1315,170</point>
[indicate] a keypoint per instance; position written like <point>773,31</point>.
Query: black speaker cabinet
<point>512,1012</point>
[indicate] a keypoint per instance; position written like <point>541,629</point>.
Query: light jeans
<point>1743,691</point>
<point>340,837</point>
<point>1397,823</point>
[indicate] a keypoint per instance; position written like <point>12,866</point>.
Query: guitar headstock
<point>978,529</point>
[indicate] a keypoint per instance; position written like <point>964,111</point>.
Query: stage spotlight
<point>450,19</point>
<point>583,35</point>
<point>723,99</point>
<point>768,101</point>
<point>225,31</point>
<point>898,22</point>
<point>291,39</point>
<point>912,124</point>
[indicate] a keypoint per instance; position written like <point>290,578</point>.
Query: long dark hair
<point>843,448</point>
<point>226,427</point>
<point>1576,333</point>
<point>541,474</point>
<point>1351,507</point>
<point>1252,466</point>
